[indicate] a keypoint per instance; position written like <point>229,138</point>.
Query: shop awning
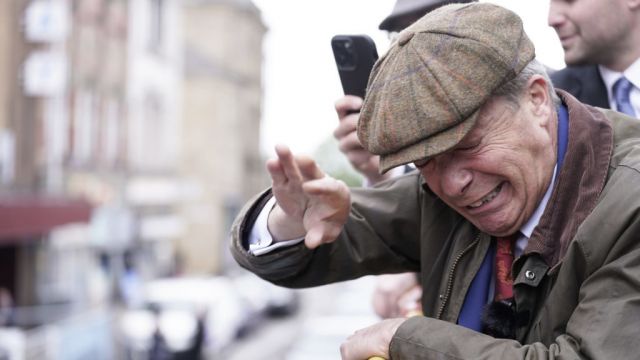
<point>31,216</point>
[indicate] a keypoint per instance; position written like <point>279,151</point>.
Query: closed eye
<point>467,147</point>
<point>421,163</point>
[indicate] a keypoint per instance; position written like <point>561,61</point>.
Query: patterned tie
<point>621,90</point>
<point>504,260</point>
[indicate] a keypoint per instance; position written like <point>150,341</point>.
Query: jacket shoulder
<point>572,75</point>
<point>626,139</point>
<point>583,82</point>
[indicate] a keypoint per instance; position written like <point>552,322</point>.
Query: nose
<point>456,178</point>
<point>555,17</point>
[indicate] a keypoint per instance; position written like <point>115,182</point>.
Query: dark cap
<point>424,94</point>
<point>410,8</point>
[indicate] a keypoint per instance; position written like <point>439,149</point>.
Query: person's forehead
<point>493,119</point>
<point>494,112</point>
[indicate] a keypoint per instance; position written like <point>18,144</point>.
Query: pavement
<point>327,316</point>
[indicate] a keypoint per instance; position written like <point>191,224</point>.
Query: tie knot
<point>622,87</point>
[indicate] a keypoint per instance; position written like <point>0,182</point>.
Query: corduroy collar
<point>579,183</point>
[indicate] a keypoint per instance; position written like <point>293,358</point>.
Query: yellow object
<point>416,312</point>
<point>377,358</point>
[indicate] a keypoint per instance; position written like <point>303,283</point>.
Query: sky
<point>301,82</point>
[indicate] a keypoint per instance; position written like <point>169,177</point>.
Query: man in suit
<point>601,42</point>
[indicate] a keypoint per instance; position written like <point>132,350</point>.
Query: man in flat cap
<point>394,294</point>
<point>523,220</point>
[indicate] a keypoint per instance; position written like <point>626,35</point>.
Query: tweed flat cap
<point>424,94</point>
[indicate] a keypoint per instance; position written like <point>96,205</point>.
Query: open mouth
<point>490,196</point>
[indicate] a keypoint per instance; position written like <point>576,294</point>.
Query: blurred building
<point>221,124</point>
<point>129,139</point>
<point>89,114</point>
<point>47,266</point>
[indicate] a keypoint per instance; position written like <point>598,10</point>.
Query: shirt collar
<point>527,228</point>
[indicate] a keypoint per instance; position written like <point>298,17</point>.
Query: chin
<point>496,227</point>
<point>575,60</point>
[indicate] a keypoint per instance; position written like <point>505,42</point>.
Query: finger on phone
<point>350,143</point>
<point>348,104</point>
<point>347,125</point>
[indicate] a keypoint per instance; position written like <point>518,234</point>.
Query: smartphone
<point>355,56</point>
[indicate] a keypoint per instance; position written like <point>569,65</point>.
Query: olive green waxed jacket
<point>577,284</point>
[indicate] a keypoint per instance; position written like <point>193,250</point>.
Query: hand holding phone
<point>355,56</point>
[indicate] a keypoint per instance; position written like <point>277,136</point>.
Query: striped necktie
<point>621,90</point>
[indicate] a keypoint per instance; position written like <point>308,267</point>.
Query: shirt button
<point>530,275</point>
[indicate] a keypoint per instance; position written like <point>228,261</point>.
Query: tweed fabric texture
<point>425,93</point>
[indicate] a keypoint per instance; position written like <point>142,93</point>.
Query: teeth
<point>487,198</point>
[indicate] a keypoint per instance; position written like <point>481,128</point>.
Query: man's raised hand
<point>309,203</point>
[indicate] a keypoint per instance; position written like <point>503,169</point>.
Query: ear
<point>538,94</point>
<point>538,99</point>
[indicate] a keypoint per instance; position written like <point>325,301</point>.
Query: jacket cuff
<point>427,338</point>
<point>275,266</point>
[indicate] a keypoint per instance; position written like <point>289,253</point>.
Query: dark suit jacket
<point>583,82</point>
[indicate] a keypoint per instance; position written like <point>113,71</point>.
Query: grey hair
<point>512,90</point>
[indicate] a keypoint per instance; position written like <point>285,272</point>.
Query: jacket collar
<point>579,183</point>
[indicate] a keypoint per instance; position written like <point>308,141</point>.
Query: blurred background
<point>131,133</point>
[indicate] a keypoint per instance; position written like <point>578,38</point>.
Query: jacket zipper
<point>452,270</point>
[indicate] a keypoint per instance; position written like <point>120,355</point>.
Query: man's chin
<point>575,60</point>
<point>497,227</point>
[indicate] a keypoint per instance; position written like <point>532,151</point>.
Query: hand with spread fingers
<point>371,341</point>
<point>309,203</point>
<point>368,164</point>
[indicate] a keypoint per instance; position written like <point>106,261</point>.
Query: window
<point>84,126</point>
<point>156,24</point>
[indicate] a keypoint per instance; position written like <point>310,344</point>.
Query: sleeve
<point>260,239</point>
<point>604,325</point>
<point>381,236</point>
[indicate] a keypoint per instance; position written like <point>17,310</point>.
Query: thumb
<point>314,237</point>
